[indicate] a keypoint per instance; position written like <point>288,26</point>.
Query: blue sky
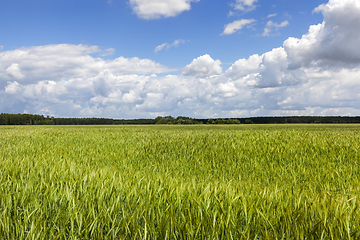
<point>200,58</point>
<point>115,25</point>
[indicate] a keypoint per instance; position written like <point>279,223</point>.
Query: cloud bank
<point>317,74</point>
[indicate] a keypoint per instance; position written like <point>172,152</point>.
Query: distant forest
<point>33,119</point>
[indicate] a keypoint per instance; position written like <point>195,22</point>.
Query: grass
<point>180,182</point>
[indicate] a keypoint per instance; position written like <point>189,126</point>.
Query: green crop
<point>180,182</point>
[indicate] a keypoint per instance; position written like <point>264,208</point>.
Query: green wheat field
<point>180,182</point>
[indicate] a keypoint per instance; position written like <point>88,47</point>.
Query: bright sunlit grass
<point>180,182</point>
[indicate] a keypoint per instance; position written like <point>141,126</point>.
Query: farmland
<point>180,182</point>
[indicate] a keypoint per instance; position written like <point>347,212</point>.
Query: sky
<point>127,59</point>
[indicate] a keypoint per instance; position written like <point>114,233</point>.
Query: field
<point>180,182</point>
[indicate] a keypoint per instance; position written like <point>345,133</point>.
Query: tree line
<point>33,119</point>
<point>24,119</point>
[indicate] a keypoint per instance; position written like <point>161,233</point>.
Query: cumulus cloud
<point>154,9</point>
<point>65,61</point>
<point>176,43</point>
<point>270,26</point>
<point>203,66</point>
<point>307,76</point>
<point>12,87</point>
<point>235,26</point>
<point>14,71</point>
<point>245,5</point>
<point>267,70</point>
<point>332,43</point>
<point>152,102</point>
<point>244,67</point>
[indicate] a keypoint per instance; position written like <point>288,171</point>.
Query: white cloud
<point>161,47</point>
<point>244,67</point>
<point>14,71</point>
<point>153,102</point>
<point>203,66</point>
<point>315,75</point>
<point>245,5</point>
<point>235,26</point>
<point>267,70</point>
<point>1,48</point>
<point>108,52</point>
<point>154,9</point>
<point>272,15</point>
<point>334,42</point>
<point>270,25</point>
<point>65,61</point>
<point>227,89</point>
<point>176,43</point>
<point>12,87</point>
